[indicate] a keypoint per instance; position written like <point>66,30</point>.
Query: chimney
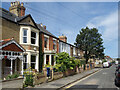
<point>17,8</point>
<point>44,26</point>
<point>63,38</point>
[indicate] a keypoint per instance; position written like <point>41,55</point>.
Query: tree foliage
<point>90,41</point>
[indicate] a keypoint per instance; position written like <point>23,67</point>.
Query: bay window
<point>33,61</point>
<point>25,62</point>
<point>33,37</point>
<point>24,35</point>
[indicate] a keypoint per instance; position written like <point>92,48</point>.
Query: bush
<point>64,62</point>
<point>13,76</point>
<point>77,62</point>
<point>28,80</point>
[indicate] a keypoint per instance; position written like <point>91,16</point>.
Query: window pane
<point>32,65</point>
<point>24,32</point>
<point>33,41</point>
<point>33,34</point>
<point>24,39</point>
<point>33,58</point>
<point>52,58</point>
<point>25,66</point>
<point>25,57</point>
<point>45,42</point>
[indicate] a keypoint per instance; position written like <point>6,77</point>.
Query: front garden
<point>65,66</point>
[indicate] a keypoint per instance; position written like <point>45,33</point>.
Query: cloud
<point>107,25</point>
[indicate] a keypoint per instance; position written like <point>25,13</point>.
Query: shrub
<point>64,62</point>
<point>12,76</point>
<point>28,80</point>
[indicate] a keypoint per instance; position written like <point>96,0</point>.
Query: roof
<point>45,31</point>
<point>12,17</point>
<point>7,42</point>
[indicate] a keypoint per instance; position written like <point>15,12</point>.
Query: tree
<point>90,41</point>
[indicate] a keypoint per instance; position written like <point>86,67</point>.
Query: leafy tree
<point>90,41</point>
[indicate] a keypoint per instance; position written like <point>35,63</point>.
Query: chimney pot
<point>17,8</point>
<point>22,4</point>
<point>11,3</point>
<point>63,38</point>
<point>44,26</point>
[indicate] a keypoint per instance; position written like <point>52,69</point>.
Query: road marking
<point>104,73</point>
<point>81,79</point>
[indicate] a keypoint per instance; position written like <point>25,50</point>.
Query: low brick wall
<point>39,78</point>
<point>57,75</point>
<point>69,72</point>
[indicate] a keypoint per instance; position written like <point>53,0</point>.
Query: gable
<point>12,47</point>
<point>28,20</point>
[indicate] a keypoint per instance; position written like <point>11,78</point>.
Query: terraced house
<point>34,38</point>
<point>21,27</point>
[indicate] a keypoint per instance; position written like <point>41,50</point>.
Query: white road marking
<point>104,73</point>
<point>81,79</point>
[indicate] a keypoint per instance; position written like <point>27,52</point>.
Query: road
<point>102,79</point>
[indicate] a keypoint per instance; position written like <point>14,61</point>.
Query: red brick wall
<point>50,43</point>
<point>57,43</point>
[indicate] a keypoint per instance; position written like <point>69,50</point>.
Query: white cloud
<point>107,24</point>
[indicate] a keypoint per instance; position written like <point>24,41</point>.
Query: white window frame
<point>34,38</point>
<point>24,29</point>
<point>45,36</point>
<point>33,62</point>
<point>25,62</point>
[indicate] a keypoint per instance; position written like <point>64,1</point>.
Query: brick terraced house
<point>34,38</point>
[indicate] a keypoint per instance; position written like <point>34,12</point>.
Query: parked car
<point>116,62</point>
<point>117,77</point>
<point>117,68</point>
<point>105,65</point>
<point>110,64</point>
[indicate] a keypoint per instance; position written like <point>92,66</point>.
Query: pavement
<point>60,83</point>
<point>103,79</point>
<point>12,84</point>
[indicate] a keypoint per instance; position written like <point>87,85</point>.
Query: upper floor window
<point>54,44</point>
<point>45,42</point>
<point>24,35</point>
<point>33,37</point>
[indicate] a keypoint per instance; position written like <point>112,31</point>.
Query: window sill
<point>29,44</point>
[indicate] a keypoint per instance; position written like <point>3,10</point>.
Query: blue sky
<point>69,17</point>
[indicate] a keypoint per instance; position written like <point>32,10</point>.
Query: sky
<point>68,18</point>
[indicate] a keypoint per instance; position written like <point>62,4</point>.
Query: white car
<point>116,62</point>
<point>105,64</point>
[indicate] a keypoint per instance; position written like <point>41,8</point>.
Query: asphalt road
<point>102,79</point>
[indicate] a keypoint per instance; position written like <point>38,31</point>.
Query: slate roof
<point>45,31</point>
<point>10,16</point>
